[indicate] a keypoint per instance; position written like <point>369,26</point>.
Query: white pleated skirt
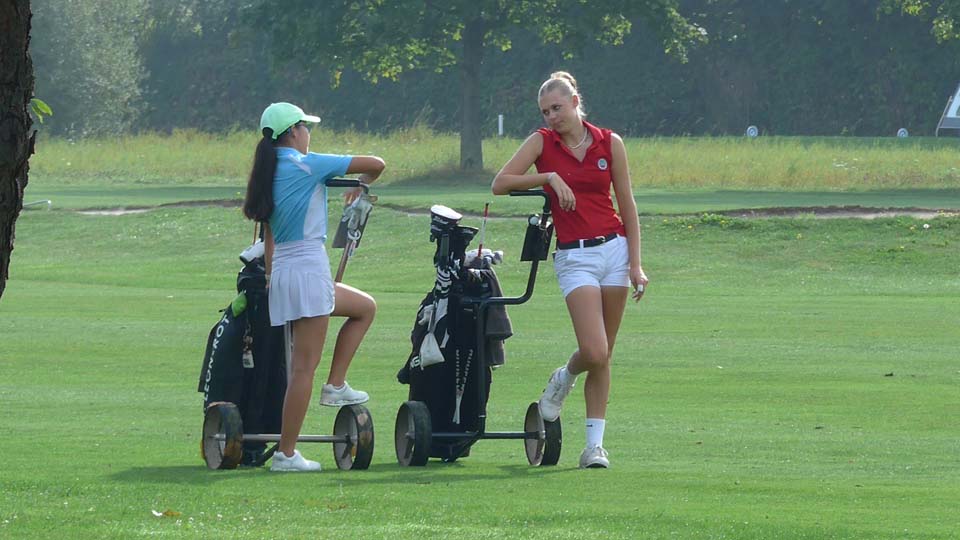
<point>300,282</point>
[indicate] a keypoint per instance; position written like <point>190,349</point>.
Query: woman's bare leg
<point>360,309</point>
<point>309,335</point>
<point>596,314</point>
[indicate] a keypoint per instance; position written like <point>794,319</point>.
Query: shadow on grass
<point>178,474</point>
<point>380,473</point>
<point>444,473</point>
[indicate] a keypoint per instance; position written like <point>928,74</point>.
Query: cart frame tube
<point>480,310</point>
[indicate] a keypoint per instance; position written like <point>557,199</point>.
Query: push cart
<point>455,349</point>
<point>244,375</point>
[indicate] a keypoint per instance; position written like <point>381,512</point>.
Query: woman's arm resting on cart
<point>369,168</point>
<point>513,176</point>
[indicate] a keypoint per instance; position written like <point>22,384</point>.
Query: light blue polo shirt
<point>300,194</point>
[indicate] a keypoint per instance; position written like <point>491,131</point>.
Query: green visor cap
<point>280,116</point>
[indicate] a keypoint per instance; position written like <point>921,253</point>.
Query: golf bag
<point>441,369</point>
<point>244,362</point>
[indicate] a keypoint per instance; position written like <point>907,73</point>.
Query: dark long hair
<point>258,204</point>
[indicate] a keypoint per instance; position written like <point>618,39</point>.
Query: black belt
<point>589,242</point>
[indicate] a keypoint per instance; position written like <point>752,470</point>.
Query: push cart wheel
<point>554,442</point>
<point>543,440</point>
<point>222,445</point>
<point>355,423</point>
<point>413,434</point>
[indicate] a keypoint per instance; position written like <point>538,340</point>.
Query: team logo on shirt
<point>602,164</point>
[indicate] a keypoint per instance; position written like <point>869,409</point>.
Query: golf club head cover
<point>442,220</point>
<point>252,253</point>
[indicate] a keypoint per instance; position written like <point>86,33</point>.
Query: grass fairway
<point>782,379</point>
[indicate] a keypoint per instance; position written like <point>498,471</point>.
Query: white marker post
<point>500,125</point>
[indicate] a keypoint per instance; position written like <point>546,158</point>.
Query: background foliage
<point>89,63</point>
<point>791,67</point>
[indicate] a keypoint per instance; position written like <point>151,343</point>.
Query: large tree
<point>16,142</point>
<point>385,38</point>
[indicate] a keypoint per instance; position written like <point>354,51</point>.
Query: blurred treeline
<point>791,67</point>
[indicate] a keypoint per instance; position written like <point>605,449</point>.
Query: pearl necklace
<point>583,140</point>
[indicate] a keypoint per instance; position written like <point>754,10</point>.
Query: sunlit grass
<point>783,378</point>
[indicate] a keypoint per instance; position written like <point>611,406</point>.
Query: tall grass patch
<point>191,157</point>
<point>420,154</point>
<point>795,163</point>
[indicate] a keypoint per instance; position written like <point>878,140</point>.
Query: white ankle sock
<point>595,431</point>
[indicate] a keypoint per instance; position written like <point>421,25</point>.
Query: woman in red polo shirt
<point>598,251</point>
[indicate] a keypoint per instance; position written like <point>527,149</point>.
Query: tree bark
<point>16,141</point>
<point>471,141</point>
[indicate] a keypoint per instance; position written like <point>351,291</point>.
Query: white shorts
<point>300,282</point>
<point>606,265</point>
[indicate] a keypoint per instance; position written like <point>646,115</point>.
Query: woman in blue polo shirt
<point>287,192</point>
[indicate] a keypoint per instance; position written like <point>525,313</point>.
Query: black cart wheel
<point>222,445</point>
<point>554,442</point>
<point>413,434</point>
<point>544,438</point>
<point>355,423</point>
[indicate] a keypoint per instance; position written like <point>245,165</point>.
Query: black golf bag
<point>441,369</point>
<point>245,361</point>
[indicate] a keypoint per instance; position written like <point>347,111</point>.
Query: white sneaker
<point>297,463</point>
<point>553,395</point>
<point>332,396</point>
<point>594,457</point>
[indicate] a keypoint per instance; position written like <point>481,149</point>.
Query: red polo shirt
<point>590,181</point>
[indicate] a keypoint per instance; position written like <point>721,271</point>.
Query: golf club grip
<point>347,182</point>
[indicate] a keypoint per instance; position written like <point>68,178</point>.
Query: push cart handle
<point>545,228</point>
<point>347,182</point>
<point>529,193</point>
<point>534,193</point>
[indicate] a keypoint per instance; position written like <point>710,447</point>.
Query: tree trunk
<point>471,141</point>
<point>16,142</point>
